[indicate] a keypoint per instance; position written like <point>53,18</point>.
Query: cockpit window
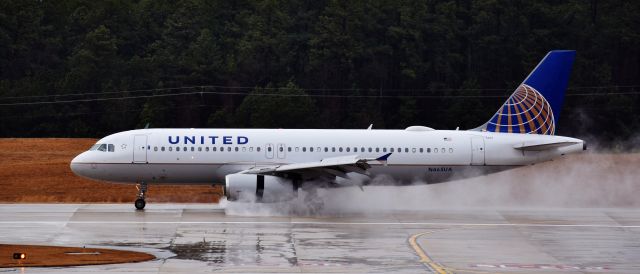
<point>103,147</point>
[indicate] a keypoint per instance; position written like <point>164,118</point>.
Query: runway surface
<point>191,238</point>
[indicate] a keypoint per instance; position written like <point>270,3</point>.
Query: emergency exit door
<point>269,151</point>
<point>281,151</point>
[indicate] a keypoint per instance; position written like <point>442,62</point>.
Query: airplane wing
<point>328,167</point>
<point>542,145</point>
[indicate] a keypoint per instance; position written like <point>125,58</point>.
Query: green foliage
<point>283,107</point>
<point>400,59</point>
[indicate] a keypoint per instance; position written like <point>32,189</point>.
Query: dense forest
<point>81,68</point>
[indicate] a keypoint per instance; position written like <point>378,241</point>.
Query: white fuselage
<point>206,156</point>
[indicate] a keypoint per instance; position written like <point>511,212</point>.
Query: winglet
<point>383,158</point>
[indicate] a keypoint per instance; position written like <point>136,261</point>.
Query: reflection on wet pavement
<point>201,238</point>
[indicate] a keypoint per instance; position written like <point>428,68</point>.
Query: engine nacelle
<point>261,188</point>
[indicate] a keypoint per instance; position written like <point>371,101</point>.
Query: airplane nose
<point>78,166</point>
<point>75,167</point>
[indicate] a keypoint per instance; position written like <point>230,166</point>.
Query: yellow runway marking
<point>432,265</point>
<point>424,258</point>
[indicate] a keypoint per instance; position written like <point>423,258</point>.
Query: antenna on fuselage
<point>370,127</point>
<point>146,126</point>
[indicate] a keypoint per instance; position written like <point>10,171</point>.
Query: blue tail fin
<point>535,105</point>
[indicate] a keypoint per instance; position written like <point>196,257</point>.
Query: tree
<point>271,107</point>
<point>447,53</point>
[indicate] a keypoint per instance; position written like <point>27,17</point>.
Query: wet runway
<point>191,238</point>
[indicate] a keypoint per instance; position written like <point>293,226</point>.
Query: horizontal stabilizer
<point>539,146</point>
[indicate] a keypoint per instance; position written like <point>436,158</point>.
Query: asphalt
<point>193,238</point>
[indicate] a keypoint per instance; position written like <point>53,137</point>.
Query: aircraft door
<point>269,151</point>
<point>477,151</point>
<point>140,149</point>
<point>281,151</point>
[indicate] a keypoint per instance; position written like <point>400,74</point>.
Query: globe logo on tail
<point>526,111</point>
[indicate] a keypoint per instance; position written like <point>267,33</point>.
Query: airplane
<point>272,164</point>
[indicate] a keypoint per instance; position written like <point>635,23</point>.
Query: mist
<point>589,180</point>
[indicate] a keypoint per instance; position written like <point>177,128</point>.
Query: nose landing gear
<point>142,191</point>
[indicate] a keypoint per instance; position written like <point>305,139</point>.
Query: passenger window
<point>370,150</point>
<point>297,149</point>
<point>399,149</point>
<point>112,148</point>
<point>384,149</point>
<point>304,149</point>
<point>289,149</point>
<point>170,148</point>
<point>318,149</point>
<point>450,150</point>
<point>391,150</point>
<point>435,150</point>
<point>281,149</point>
<point>269,149</point>
<point>333,149</point>
<point>185,148</point>
<point>177,148</point>
<point>162,149</point>
<point>214,149</point>
<point>155,148</point>
<point>206,149</point>
<point>193,149</point>
<point>413,150</point>
<point>199,148</point>
<point>258,149</point>
<point>326,149</point>
<point>237,149</point>
<point>443,151</point>
<point>250,149</point>
<point>406,149</point>
<point>421,150</point>
<point>340,149</point>
<point>348,149</point>
<point>428,150</point>
<point>310,149</point>
<point>377,149</point>
<point>244,149</point>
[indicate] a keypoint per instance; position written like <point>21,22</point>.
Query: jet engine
<point>261,188</point>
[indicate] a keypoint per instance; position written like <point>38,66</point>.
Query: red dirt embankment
<point>38,255</point>
<point>37,171</point>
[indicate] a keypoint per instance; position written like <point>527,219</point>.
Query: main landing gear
<point>142,191</point>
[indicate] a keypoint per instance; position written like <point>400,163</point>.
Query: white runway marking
<point>323,223</point>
